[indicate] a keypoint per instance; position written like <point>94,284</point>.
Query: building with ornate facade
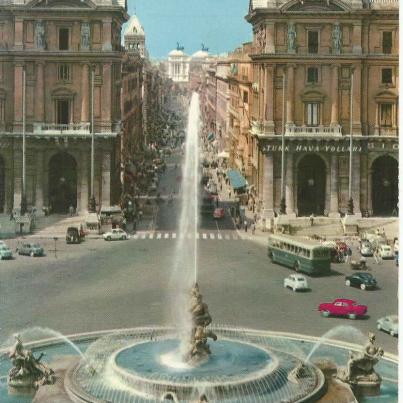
<point>135,38</point>
<point>310,58</point>
<point>178,65</point>
<point>71,57</point>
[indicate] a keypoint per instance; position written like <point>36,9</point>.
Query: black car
<point>73,235</point>
<point>362,280</point>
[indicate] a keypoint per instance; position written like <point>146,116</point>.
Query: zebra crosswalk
<point>204,236</point>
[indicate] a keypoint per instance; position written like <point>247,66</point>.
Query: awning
<point>210,137</point>
<point>236,179</point>
<point>223,154</point>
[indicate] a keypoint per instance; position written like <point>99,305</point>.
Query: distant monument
<point>204,48</point>
<point>179,47</point>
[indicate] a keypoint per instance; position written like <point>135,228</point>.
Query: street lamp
<point>282,201</point>
<point>350,206</point>
<point>23,207</point>
<point>92,204</point>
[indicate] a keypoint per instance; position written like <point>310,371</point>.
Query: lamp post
<point>92,204</point>
<point>282,201</point>
<point>23,206</point>
<point>350,206</point>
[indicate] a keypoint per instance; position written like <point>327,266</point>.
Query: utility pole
<point>282,201</point>
<point>23,206</point>
<point>350,173</point>
<point>92,205</point>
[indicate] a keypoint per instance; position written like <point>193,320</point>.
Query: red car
<point>218,213</point>
<point>342,307</point>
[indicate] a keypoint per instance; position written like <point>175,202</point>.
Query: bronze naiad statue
<point>28,373</point>
<point>199,350</point>
<point>360,372</point>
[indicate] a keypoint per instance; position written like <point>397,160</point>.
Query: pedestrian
<point>11,216</point>
<point>376,256</point>
<point>71,210</point>
<point>220,186</point>
<point>245,223</point>
<point>311,217</point>
<point>253,228</point>
<point>349,254</point>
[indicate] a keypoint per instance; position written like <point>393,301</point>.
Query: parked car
<point>30,249</point>
<point>73,235</point>
<point>296,282</point>
<point>219,212</point>
<point>5,252</point>
<point>362,280</point>
<point>342,307</point>
<point>389,324</point>
<point>115,235</point>
<point>366,249</point>
<point>386,252</point>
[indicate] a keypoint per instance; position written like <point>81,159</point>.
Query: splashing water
<point>184,273</point>
<point>342,333</point>
<point>38,334</point>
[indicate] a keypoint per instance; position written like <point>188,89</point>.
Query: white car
<point>366,249</point>
<point>115,235</point>
<point>385,252</point>
<point>296,282</point>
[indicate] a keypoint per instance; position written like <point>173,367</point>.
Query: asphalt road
<point>104,285</point>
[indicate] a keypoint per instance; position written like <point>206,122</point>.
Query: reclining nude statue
<point>360,366</point>
<point>199,350</point>
<point>27,371</point>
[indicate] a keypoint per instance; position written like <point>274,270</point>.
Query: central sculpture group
<point>199,350</point>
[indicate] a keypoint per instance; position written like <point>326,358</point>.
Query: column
<point>107,34</point>
<point>290,93</point>
<point>289,185</point>
<point>334,187</point>
<point>269,98</point>
<point>18,84</point>
<point>334,120</point>
<point>106,96</point>
<point>357,100</point>
<point>270,47</point>
<point>106,179</point>
<point>85,94</point>
<point>267,188</point>
<point>357,49</point>
<point>83,175</point>
<point>356,183</point>
<point>18,33</point>
<point>39,180</point>
<point>40,93</point>
<point>369,195</point>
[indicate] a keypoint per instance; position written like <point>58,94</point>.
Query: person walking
<point>253,228</point>
<point>376,256</point>
<point>245,223</point>
<point>311,218</point>
<point>349,253</point>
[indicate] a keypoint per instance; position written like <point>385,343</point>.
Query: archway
<point>311,186</point>
<point>62,182</point>
<point>385,186</point>
<point>2,185</point>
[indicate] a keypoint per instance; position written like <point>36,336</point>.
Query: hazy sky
<point>219,24</point>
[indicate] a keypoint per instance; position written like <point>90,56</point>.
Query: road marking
<point>204,236</point>
<point>219,236</point>
<point>159,236</point>
<point>212,236</point>
<point>143,236</point>
<point>151,235</point>
<point>173,235</point>
<point>166,236</point>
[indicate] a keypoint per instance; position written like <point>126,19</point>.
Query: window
<point>387,42</point>
<point>64,72</point>
<point>312,114</point>
<point>245,97</point>
<point>62,111</point>
<point>312,75</point>
<point>387,77</point>
<point>385,115</point>
<point>64,39</point>
<point>313,41</point>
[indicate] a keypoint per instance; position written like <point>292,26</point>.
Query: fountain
<point>180,364</point>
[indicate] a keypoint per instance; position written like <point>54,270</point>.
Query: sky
<point>219,24</point>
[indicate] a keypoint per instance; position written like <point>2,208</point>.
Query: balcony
<point>307,131</point>
<point>62,129</point>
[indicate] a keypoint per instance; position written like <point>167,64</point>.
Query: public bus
<point>300,254</point>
